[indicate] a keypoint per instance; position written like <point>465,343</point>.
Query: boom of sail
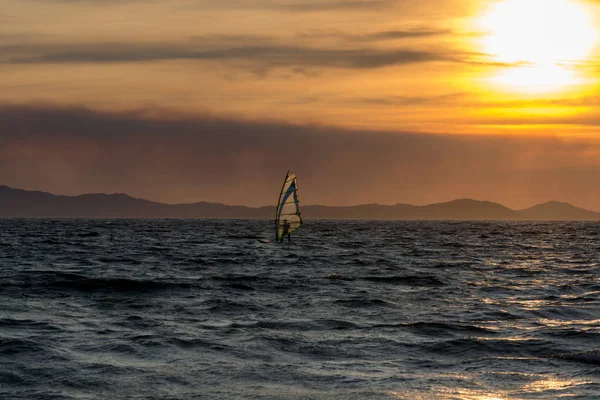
<point>288,217</point>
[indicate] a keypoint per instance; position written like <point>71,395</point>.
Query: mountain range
<point>24,203</point>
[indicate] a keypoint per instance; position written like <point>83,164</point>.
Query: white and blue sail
<point>288,217</point>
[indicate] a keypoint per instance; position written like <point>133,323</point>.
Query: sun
<point>538,32</point>
<point>543,38</point>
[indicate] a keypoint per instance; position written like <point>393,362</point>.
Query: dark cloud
<point>382,35</point>
<point>302,6</point>
<point>257,53</point>
<point>93,2</point>
<point>328,34</point>
<point>334,5</point>
<point>268,55</point>
<point>293,5</point>
<point>399,34</point>
<point>172,157</point>
<point>415,100</point>
<point>471,100</point>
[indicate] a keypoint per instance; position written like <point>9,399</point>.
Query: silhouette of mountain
<point>467,209</point>
<point>24,203</point>
<point>559,211</point>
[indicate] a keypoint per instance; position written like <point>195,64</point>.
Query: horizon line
<point>304,205</point>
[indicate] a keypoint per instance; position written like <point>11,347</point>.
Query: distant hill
<point>467,209</point>
<point>24,203</point>
<point>558,211</point>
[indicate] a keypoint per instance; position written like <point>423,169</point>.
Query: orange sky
<point>501,96</point>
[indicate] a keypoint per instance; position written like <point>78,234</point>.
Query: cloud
<point>294,5</point>
<point>333,5</point>
<point>303,6</point>
<point>403,34</point>
<point>268,55</point>
<point>253,52</point>
<point>584,119</point>
<point>93,2</point>
<point>382,35</point>
<point>281,5</point>
<point>172,157</point>
<point>446,99</point>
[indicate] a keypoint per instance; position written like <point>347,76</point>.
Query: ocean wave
<point>38,326</point>
<point>308,325</point>
<point>588,357</point>
<point>16,347</point>
<point>508,347</point>
<point>78,282</point>
<point>410,280</point>
<point>362,303</point>
<point>438,328</point>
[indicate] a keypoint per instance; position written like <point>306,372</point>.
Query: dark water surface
<point>175,309</point>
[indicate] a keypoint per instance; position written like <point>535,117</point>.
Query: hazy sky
<point>388,101</point>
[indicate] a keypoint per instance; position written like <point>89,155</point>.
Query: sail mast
<point>277,210</point>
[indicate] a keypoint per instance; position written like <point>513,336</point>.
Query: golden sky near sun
<point>448,66</point>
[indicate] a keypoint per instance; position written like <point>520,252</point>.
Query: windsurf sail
<point>288,217</point>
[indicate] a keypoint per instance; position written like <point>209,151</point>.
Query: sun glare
<point>543,38</point>
<point>538,78</point>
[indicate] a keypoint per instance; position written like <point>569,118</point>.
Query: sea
<point>203,309</point>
